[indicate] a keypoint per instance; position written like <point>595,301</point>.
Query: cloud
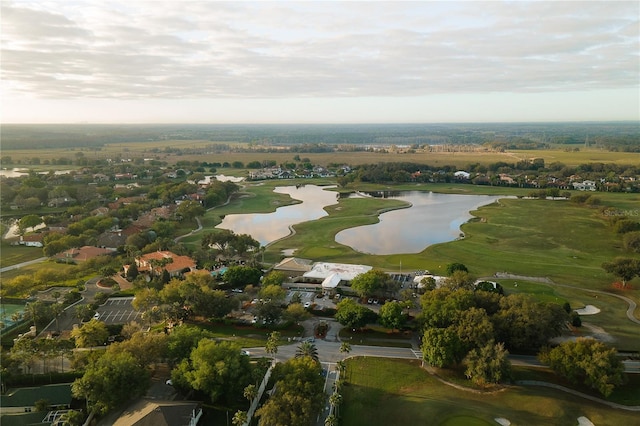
<point>206,49</point>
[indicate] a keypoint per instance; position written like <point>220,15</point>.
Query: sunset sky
<point>137,61</point>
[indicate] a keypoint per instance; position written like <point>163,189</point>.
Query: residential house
<point>82,254</point>
<point>32,240</point>
<point>586,185</point>
<point>155,262</point>
<point>111,239</point>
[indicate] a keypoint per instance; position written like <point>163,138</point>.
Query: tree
<point>631,241</point>
<point>296,312</point>
<point>352,315</point>
<point>488,364</point>
<point>274,278</point>
<point>132,272</point>
<point>624,268</point>
<point>250,392</point>
<point>441,347</point>
<point>331,419</point>
<point>299,394</point>
<point>441,307</point>
<point>392,316</point>
<point>453,267</point>
<point>146,348</point>
<point>525,324</point>
<point>270,312</point>
<point>370,283</point>
<point>474,328</point>
<point>345,348</point>
<point>215,304</point>
<point>28,221</point>
<point>110,381</point>
<point>459,279</point>
<point>240,276</point>
<point>588,362</point>
<point>272,343</point>
<point>183,339</point>
<point>93,333</point>
<point>272,292</point>
<point>216,368</point>
<point>239,418</point>
<point>72,418</point>
<point>189,210</point>
<point>307,349</point>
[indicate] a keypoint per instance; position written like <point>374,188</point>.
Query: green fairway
<point>396,392</point>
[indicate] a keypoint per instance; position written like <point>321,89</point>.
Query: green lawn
<point>11,255</point>
<point>397,392</point>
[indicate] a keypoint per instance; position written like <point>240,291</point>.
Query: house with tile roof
<point>154,263</point>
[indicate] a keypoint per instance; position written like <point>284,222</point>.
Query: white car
<point>307,304</point>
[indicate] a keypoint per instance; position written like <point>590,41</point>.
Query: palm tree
<point>345,348</point>
<point>239,418</point>
<point>250,392</point>
<point>272,344</point>
<point>307,349</point>
<point>331,420</point>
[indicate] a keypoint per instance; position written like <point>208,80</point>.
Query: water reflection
<point>433,218</point>
<point>269,227</point>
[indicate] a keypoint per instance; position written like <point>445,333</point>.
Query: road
<point>20,265</point>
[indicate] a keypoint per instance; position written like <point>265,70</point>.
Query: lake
<point>431,219</point>
<point>269,227</point>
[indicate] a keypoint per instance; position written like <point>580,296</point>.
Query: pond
<point>268,227</point>
<point>432,218</point>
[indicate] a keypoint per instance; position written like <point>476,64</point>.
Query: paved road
<point>20,265</point>
<point>329,352</point>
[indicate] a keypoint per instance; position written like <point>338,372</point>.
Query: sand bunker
<point>583,421</point>
<point>502,421</point>
<point>588,310</point>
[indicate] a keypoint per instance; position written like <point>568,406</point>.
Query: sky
<point>138,61</point>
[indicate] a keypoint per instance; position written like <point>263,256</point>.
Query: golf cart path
<point>545,280</point>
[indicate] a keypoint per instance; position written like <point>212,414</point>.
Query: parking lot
<point>118,311</point>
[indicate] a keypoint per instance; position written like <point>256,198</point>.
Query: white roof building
<point>333,273</point>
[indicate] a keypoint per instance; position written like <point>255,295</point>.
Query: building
<point>82,254</point>
<point>333,274</point>
<point>155,262</point>
<point>23,400</point>
<point>161,413</point>
<point>293,266</point>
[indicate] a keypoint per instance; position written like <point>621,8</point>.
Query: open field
<point>11,255</point>
<point>161,151</point>
<point>385,392</point>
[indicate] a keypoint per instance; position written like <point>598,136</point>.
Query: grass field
<point>10,255</point>
<point>397,392</point>
<point>156,149</point>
